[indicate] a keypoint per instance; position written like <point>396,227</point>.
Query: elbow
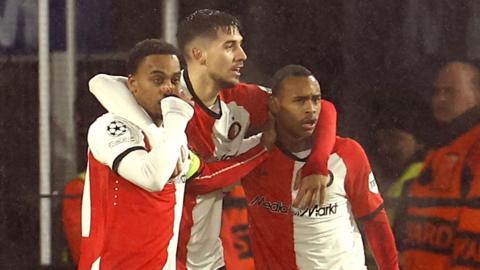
<point>156,180</point>
<point>94,84</point>
<point>154,187</point>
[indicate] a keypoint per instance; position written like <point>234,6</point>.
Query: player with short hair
<point>135,181</point>
<point>226,113</point>
<point>325,236</point>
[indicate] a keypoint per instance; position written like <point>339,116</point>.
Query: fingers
<point>315,198</point>
<point>297,179</point>
<point>307,201</point>
<point>269,134</point>
<point>311,190</point>
<point>177,170</point>
<point>178,92</point>
<point>298,200</point>
<point>322,194</point>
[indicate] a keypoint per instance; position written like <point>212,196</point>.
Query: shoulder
<point>247,89</point>
<point>111,126</point>
<point>254,87</point>
<point>352,154</point>
<point>113,123</point>
<point>348,147</point>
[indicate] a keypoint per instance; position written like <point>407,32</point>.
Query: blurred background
<point>375,61</point>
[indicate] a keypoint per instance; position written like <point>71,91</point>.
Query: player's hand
<point>180,93</point>
<point>311,190</point>
<point>269,135</point>
<point>180,164</point>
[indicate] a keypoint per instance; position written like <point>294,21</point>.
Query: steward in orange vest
<point>441,228</point>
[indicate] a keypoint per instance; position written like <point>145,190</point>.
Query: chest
<point>274,180</point>
<point>221,135</point>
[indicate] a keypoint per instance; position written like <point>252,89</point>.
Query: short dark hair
<point>204,22</point>
<point>146,48</point>
<point>285,72</point>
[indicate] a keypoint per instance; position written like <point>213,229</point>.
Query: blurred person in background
<point>226,112</point>
<point>399,149</point>
<point>400,144</point>
<point>441,228</point>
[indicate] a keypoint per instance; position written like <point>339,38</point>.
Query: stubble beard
<point>222,83</point>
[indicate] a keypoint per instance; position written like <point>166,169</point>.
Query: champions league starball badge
<point>116,128</point>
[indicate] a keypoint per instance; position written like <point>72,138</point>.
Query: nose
<point>311,106</point>
<point>440,95</point>
<point>168,88</point>
<point>241,55</point>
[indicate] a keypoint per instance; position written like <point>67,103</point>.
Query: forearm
<point>249,143</point>
<point>220,174</point>
<point>112,92</point>
<point>324,141</point>
<point>152,170</point>
<point>381,241</point>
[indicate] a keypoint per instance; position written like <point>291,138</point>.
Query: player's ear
<point>199,55</point>
<point>132,83</point>
<point>273,105</point>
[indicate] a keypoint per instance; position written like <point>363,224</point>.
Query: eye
<point>229,46</point>
<point>176,81</point>
<point>158,81</point>
<point>299,101</point>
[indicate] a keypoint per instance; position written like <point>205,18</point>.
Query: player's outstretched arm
<point>324,141</point>
<point>223,173</point>
<point>125,154</point>
<point>112,92</point>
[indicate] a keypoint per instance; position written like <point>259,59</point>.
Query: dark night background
<point>367,56</point>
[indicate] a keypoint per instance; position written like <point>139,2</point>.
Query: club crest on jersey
<point>234,130</point>
<point>116,128</point>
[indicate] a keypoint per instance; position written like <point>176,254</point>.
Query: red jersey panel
<point>322,237</point>
<point>216,136</point>
<point>123,225</point>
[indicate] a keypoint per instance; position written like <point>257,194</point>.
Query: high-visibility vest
<point>438,207</point>
<point>72,206</point>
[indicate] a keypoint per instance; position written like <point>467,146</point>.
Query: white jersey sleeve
<point>113,94</point>
<point>114,142</point>
<point>249,143</point>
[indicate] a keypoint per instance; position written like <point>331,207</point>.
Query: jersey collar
<point>290,154</point>
<point>187,84</point>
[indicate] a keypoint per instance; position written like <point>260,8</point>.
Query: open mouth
<point>309,124</point>
<point>236,70</point>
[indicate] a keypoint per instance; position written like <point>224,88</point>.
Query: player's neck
<point>293,144</point>
<point>157,119</point>
<point>205,88</point>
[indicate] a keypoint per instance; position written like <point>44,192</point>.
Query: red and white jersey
<point>123,225</point>
<point>322,237</point>
<point>240,111</point>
